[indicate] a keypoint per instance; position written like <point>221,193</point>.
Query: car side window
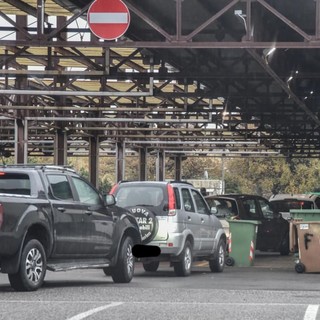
<point>60,186</point>
<point>266,209</point>
<point>200,202</point>
<point>187,200</point>
<point>226,208</point>
<point>85,192</point>
<point>177,198</point>
<point>250,209</point>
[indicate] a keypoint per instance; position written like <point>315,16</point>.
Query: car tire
<point>151,266</point>
<point>124,269</point>
<point>218,262</point>
<point>182,268</point>
<point>32,269</point>
<point>284,248</point>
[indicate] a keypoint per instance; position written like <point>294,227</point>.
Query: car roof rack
<point>181,181</point>
<point>40,166</point>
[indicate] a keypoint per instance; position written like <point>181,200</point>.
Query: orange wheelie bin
<point>308,246</point>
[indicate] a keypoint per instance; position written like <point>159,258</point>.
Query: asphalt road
<point>271,289</point>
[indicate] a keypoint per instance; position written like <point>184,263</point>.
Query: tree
<point>265,176</point>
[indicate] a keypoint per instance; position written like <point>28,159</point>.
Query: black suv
<point>273,232</point>
<point>175,217</point>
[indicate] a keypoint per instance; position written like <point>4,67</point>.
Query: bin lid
<point>313,211</point>
<point>244,221</point>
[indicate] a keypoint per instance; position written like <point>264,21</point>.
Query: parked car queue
<point>188,226</point>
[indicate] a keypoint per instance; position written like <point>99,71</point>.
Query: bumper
<point>173,246</point>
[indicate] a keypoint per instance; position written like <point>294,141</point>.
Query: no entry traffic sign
<point>108,19</point>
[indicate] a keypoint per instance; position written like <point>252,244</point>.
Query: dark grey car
<point>273,230</point>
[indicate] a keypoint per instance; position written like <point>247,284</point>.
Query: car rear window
<point>15,183</point>
<point>136,195</point>
<point>287,205</point>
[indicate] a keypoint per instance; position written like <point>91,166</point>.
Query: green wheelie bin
<point>242,242</point>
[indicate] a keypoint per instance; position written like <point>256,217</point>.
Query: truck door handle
<point>189,218</point>
<point>61,209</point>
<point>202,221</point>
<point>88,212</point>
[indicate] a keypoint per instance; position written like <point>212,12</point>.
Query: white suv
<point>175,217</point>
<point>283,203</point>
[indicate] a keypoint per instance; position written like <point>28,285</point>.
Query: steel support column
<point>60,148</point>
<point>120,161</point>
<point>93,160</point>
<point>160,166</point>
<point>19,142</point>
<point>178,167</point>
<point>143,164</point>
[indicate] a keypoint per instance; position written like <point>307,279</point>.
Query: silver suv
<point>175,217</point>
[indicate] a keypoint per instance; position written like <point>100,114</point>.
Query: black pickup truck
<point>51,218</point>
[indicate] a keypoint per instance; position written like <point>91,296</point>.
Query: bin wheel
<point>229,261</point>
<point>299,267</point>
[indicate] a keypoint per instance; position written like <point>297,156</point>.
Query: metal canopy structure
<point>188,77</point>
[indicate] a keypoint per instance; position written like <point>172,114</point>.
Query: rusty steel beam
<point>285,87</point>
<point>181,44</point>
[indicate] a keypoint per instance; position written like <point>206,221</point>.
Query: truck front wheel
<point>124,269</point>
<point>32,268</point>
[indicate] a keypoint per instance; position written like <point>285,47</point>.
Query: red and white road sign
<point>108,19</point>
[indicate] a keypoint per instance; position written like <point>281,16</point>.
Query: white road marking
<point>311,312</point>
<point>95,310</point>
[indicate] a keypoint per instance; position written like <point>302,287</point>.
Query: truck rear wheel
<point>32,268</point>
<point>124,269</point>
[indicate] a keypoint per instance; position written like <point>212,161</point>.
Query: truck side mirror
<point>110,199</point>
<point>214,210</point>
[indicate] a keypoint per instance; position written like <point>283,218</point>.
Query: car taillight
<point>113,189</point>
<point>172,201</point>
<point>1,215</point>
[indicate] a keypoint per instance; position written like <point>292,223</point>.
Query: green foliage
<point>263,176</point>
<point>195,167</point>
